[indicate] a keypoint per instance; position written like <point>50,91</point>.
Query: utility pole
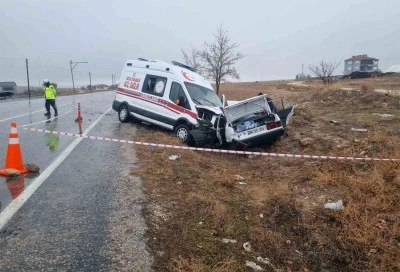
<point>90,82</point>
<point>302,70</point>
<point>27,75</point>
<point>72,68</point>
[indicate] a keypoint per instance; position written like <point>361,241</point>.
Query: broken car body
<point>249,122</point>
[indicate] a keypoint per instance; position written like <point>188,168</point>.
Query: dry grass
<point>391,82</point>
<point>279,205</point>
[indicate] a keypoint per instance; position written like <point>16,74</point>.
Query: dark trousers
<point>51,102</point>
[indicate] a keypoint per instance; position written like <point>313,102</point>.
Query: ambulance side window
<point>154,85</point>
<point>177,94</point>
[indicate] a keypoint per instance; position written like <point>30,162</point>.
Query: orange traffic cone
<point>16,186</point>
<point>14,155</point>
<point>79,118</point>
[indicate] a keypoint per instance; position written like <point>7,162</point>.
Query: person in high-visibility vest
<point>50,97</point>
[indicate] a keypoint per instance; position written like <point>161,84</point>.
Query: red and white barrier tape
<point>279,155</point>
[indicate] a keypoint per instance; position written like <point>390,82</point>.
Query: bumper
<point>269,137</point>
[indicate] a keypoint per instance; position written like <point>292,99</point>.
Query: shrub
<point>366,87</point>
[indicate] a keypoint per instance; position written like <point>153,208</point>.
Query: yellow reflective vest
<point>49,92</point>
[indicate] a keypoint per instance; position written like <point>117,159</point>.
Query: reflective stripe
<point>13,130</point>
<point>15,135</point>
<point>13,141</point>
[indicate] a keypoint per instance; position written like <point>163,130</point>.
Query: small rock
<point>226,241</point>
<point>32,167</point>
<point>297,110</point>
<point>239,177</point>
<point>334,122</point>
<point>356,140</point>
<point>305,142</point>
<point>334,205</point>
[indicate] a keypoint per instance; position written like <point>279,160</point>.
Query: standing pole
<point>72,74</point>
<point>72,68</point>
<point>27,75</point>
<point>90,82</point>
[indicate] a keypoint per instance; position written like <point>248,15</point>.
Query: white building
<point>360,63</point>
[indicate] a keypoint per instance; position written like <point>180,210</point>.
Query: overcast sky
<point>276,37</point>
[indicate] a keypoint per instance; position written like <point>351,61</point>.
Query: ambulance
<point>173,96</point>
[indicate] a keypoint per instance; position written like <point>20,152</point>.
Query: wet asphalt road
<point>71,221</point>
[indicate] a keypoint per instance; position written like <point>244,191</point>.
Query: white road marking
<point>13,117</point>
<point>28,125</point>
<point>17,203</point>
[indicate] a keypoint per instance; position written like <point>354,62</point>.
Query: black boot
<point>56,114</point>
<point>47,114</point>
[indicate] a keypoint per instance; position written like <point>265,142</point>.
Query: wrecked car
<point>249,122</point>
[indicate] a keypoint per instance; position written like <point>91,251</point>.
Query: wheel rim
<point>123,113</point>
<point>182,134</point>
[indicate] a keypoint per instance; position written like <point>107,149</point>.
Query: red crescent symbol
<point>187,76</point>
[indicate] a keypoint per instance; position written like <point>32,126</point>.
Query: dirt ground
<point>225,212</point>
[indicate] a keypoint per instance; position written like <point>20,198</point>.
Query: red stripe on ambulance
<point>156,101</point>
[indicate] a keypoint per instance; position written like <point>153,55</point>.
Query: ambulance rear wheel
<point>183,133</point>
<point>123,114</point>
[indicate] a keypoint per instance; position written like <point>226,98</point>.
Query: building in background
<point>7,88</point>
<point>100,87</point>
<point>360,63</point>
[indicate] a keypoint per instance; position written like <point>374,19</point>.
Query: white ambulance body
<point>164,94</point>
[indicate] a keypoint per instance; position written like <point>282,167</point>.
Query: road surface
<point>85,214</point>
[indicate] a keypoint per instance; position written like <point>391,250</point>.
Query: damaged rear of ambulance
<point>250,122</point>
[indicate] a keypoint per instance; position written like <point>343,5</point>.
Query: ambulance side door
<point>156,108</point>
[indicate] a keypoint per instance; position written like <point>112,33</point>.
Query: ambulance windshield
<point>202,95</point>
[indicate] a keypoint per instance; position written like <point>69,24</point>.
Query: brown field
<point>277,204</point>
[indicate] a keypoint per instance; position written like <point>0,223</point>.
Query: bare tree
<point>193,59</point>
<point>219,58</point>
<point>324,70</point>
<point>216,60</point>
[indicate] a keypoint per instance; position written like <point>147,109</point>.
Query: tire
<point>183,133</point>
<point>123,114</point>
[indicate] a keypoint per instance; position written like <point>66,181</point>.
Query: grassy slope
<point>197,201</point>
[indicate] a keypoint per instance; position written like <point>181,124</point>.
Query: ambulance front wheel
<point>182,132</point>
<point>123,114</point>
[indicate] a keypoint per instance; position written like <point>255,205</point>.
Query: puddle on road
<point>12,187</point>
<point>52,140</point>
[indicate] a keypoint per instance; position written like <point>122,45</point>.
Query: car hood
<point>245,107</point>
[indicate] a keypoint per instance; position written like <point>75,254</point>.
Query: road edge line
<point>17,203</point>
